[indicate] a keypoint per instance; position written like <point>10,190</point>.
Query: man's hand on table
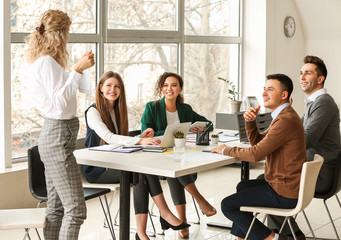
<point>219,149</point>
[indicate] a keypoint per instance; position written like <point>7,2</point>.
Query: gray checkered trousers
<point>66,209</point>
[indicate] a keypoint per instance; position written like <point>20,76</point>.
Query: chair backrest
<point>336,184</point>
<point>310,171</point>
<point>134,133</point>
<point>36,174</point>
<point>337,176</point>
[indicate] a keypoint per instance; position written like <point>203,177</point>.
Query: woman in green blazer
<point>171,109</point>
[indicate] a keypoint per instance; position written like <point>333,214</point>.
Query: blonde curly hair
<point>50,38</point>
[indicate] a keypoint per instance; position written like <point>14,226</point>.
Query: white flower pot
<point>235,106</point>
<point>214,141</point>
<point>180,142</point>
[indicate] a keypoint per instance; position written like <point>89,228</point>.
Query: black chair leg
<point>151,220</point>
<point>249,230</point>
<point>331,220</point>
<point>291,228</point>
<point>196,210</point>
<point>27,234</point>
<point>310,228</point>
<point>107,216</point>
<point>338,200</point>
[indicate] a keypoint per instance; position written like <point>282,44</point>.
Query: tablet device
<point>198,124</point>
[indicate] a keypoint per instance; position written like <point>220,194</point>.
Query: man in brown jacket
<point>283,146</point>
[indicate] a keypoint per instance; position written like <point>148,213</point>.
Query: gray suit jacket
<point>321,122</point>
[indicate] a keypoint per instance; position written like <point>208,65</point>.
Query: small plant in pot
<point>232,95</point>
<point>179,139</point>
<point>214,139</point>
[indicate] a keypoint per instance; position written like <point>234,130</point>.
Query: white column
<point>5,85</point>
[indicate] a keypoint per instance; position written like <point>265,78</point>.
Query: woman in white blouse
<point>54,95</point>
<point>107,123</point>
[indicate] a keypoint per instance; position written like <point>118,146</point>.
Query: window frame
<point>102,36</point>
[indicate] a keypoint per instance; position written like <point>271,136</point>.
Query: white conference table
<point>161,164</point>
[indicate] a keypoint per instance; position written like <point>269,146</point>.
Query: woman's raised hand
<point>85,62</point>
<point>194,130</point>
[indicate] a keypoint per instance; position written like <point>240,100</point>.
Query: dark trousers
<point>147,184</point>
<point>252,193</point>
<point>176,187</point>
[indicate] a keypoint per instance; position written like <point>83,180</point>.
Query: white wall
<point>330,51</point>
<point>323,28</point>
<point>267,50</point>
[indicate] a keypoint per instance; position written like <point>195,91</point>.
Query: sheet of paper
<point>105,147</point>
<point>227,138</point>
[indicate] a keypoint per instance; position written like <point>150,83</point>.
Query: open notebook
<point>116,148</point>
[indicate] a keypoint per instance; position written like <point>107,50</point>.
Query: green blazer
<point>154,116</point>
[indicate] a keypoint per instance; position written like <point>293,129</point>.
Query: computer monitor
<point>241,128</point>
<point>263,121</point>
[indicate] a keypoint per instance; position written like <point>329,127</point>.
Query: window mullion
<point>5,87</point>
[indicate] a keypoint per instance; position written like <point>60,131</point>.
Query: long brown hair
<point>161,81</point>
<point>120,105</point>
<point>50,37</point>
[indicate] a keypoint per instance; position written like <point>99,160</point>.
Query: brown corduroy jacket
<point>283,146</point>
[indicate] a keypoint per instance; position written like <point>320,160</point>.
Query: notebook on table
<point>116,148</point>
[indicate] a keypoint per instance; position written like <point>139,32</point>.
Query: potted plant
<point>214,139</point>
<point>179,139</point>
<point>232,95</point>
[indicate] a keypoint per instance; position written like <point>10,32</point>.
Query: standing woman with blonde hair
<point>54,95</point>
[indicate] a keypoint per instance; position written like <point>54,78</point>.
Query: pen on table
<point>219,132</point>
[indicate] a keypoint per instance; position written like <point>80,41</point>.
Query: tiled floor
<point>214,185</point>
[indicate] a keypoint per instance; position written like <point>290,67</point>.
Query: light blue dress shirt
<point>275,113</point>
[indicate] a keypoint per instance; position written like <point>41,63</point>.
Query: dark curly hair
<point>161,81</point>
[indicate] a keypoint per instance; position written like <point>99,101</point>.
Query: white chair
<point>23,218</point>
<point>335,188</point>
<point>310,171</point>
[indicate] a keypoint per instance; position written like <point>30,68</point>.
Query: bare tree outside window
<point>126,51</point>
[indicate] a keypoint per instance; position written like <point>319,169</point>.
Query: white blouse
<point>95,123</point>
<point>172,117</point>
<point>53,91</point>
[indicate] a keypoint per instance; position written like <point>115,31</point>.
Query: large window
<point>140,40</point>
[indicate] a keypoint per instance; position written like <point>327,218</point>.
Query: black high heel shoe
<point>137,237</point>
<point>166,225</point>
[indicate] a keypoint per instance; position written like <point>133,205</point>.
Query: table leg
<point>245,171</point>
<point>125,205</point>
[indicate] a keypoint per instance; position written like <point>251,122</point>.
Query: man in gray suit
<point>321,123</point>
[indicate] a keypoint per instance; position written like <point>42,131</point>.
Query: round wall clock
<point>289,26</point>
